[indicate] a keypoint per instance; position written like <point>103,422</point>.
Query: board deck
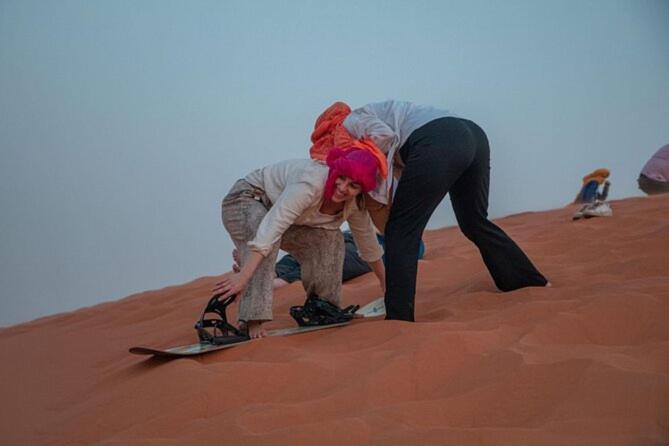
<point>373,309</point>
<point>200,348</point>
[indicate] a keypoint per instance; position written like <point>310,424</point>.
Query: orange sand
<point>583,363</point>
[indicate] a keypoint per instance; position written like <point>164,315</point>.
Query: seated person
<point>594,201</point>
<point>589,192</point>
<point>654,177</point>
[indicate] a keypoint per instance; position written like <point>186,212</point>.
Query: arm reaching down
<point>235,282</point>
<point>380,271</point>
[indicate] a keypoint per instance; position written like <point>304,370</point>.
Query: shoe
<point>598,209</point>
<point>579,214</point>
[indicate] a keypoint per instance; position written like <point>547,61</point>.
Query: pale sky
<point>123,123</point>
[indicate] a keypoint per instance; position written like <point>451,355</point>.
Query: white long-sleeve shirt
<point>295,188</point>
<point>389,124</point>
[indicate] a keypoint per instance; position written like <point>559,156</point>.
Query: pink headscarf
<point>359,165</point>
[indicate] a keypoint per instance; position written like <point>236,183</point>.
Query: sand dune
<point>585,362</point>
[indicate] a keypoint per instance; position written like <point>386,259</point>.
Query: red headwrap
<point>358,165</point>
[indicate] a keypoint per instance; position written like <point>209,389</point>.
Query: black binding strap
<point>317,311</point>
<point>222,331</point>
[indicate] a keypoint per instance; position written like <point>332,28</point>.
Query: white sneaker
<point>598,209</point>
<point>579,214</point>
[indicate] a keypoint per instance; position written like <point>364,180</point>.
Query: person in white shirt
<point>298,206</point>
<point>438,153</point>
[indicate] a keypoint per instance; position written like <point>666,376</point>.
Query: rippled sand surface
<point>585,362</point>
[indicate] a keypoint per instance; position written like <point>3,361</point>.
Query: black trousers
<point>447,155</point>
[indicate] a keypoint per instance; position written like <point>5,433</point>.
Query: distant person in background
<point>594,201</point>
<point>654,177</point>
<point>592,182</point>
<point>288,269</point>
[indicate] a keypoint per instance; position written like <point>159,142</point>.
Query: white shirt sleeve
<point>292,202</point>
<point>364,235</point>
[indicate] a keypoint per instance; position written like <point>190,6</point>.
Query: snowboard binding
<point>221,331</point>
<point>317,311</point>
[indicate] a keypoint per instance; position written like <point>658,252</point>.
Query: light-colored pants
<point>320,253</point>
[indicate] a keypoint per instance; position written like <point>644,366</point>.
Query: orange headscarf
<point>329,133</point>
<point>599,175</point>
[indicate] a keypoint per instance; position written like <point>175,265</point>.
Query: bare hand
<point>380,272</point>
<point>231,283</point>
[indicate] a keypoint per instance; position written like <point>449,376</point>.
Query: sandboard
<point>375,308</point>
<point>372,309</point>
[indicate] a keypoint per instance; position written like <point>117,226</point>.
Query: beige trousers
<point>320,253</point>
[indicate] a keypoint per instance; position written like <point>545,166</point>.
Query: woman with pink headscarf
<point>298,206</point>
